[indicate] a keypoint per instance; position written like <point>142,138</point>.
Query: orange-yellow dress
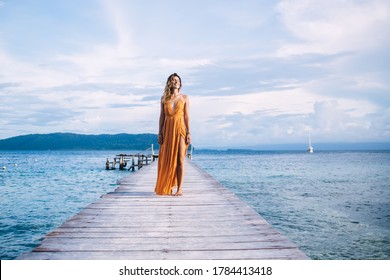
<point>174,128</point>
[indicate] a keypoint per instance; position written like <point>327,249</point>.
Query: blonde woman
<point>173,136</point>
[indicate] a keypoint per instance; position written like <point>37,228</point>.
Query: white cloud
<point>250,14</point>
<point>276,116</point>
<point>117,16</point>
<point>28,74</point>
<point>329,72</point>
<point>334,26</point>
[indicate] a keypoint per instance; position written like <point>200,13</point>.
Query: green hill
<point>71,141</point>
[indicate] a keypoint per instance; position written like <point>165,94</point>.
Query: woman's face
<point>176,82</point>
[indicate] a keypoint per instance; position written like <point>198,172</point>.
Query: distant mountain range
<point>72,141</point>
<point>141,142</point>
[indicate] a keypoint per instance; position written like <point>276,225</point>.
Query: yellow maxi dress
<point>174,128</point>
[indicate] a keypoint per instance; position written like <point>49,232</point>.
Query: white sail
<point>310,148</point>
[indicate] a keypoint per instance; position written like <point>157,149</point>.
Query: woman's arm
<point>187,118</point>
<point>161,123</point>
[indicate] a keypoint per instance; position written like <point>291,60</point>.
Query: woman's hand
<point>188,139</point>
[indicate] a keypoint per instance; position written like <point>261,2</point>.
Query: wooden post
<point>121,162</point>
<point>189,155</point>
<point>139,162</point>
<point>107,165</point>
<point>132,163</point>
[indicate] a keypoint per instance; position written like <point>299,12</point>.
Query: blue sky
<point>257,72</point>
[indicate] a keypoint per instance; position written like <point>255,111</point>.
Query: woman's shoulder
<point>184,97</point>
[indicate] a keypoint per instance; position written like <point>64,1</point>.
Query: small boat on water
<point>310,148</point>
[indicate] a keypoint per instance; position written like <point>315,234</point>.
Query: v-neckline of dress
<point>173,106</point>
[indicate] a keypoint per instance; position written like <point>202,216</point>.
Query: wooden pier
<point>133,161</point>
<point>207,222</point>
<point>136,161</point>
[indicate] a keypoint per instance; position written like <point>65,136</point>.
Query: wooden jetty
<point>137,161</point>
<point>207,222</point>
<point>133,161</point>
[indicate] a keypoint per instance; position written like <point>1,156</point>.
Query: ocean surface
<point>333,205</point>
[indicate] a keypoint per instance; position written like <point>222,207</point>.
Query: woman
<point>173,136</point>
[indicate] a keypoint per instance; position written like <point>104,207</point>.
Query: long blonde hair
<point>168,87</point>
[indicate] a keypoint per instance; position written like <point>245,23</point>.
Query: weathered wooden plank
<point>140,237</point>
<point>208,222</point>
<point>111,244</point>
<point>276,254</point>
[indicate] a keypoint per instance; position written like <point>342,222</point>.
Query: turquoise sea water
<point>333,205</point>
<point>40,190</point>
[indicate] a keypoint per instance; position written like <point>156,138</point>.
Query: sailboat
<point>310,149</point>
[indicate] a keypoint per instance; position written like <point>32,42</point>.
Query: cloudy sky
<point>257,71</point>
